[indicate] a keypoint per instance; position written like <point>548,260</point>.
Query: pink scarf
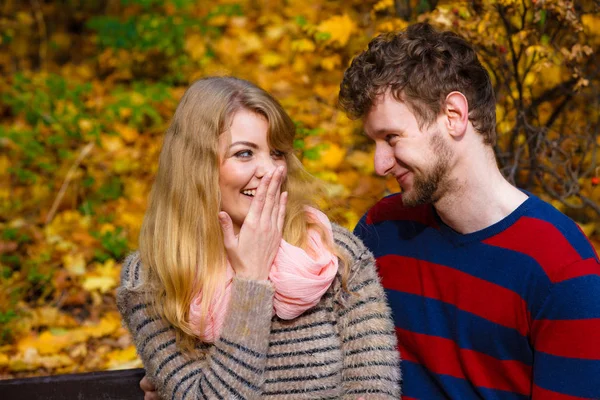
<point>300,279</point>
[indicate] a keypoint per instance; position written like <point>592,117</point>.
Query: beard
<point>429,186</point>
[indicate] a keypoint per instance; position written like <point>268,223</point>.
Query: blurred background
<point>87,88</point>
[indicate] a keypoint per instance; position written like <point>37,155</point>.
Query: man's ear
<point>456,113</point>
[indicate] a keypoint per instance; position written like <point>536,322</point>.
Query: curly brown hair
<point>421,66</point>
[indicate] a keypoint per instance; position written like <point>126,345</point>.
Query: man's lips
<point>402,177</point>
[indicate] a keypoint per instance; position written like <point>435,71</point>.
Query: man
<point>495,294</point>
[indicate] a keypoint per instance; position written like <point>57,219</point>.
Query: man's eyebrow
<point>384,132</point>
<point>242,143</point>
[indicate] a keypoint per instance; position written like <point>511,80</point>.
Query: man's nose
<point>384,159</point>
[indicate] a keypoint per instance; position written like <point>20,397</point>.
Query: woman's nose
<point>265,165</point>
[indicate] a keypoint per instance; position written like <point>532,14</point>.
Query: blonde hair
<point>181,242</point>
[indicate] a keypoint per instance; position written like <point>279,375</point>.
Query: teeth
<point>249,192</point>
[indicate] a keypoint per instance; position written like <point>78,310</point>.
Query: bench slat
<point>103,385</point>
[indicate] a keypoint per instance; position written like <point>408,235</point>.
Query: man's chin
<point>410,198</point>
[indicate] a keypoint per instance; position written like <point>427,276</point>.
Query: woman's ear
<point>456,112</point>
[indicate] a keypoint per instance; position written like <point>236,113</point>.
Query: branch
<point>39,16</point>
<point>515,59</point>
<point>82,154</point>
<point>558,110</point>
<point>403,9</point>
<point>553,92</point>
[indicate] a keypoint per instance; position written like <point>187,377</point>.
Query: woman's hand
<point>252,252</point>
<point>149,389</point>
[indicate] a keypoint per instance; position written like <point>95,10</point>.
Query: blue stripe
<point>436,318</point>
<point>509,269</point>
<point>576,298</point>
<point>573,376</point>
<point>420,383</point>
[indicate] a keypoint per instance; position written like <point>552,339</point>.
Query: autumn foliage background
<point>87,89</point>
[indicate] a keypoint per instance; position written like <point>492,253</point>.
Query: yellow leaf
<point>195,46</point>
<point>111,143</point>
<point>47,342</point>
<point>271,59</point>
<point>362,161</point>
<point>332,62</point>
<point>126,132</point>
<point>125,112</point>
<point>74,263</point>
<point>352,218</point>
<point>383,4</point>
<point>250,43</point>
<point>328,176</point>
<point>299,66</point>
<point>303,46</point>
<point>219,20</point>
<point>51,316</point>
<point>332,156</point>
<point>56,361</point>
<point>108,325</point>
<point>588,229</point>
<point>339,27</point>
<point>101,283</point>
<point>558,205</point>
<point>85,125</point>
<point>118,358</point>
<point>25,18</point>
<point>591,23</point>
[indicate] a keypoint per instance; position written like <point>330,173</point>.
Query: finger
<point>146,385</point>
<point>274,187</point>
<point>227,227</point>
<point>256,206</point>
<point>276,206</point>
<point>281,216</point>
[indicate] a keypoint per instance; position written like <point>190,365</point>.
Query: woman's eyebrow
<point>242,143</point>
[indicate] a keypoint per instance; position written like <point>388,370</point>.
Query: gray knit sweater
<point>343,348</point>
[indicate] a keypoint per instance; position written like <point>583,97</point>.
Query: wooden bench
<point>104,385</point>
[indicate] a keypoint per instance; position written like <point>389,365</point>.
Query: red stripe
<point>443,356</point>
<point>474,295</point>
<point>392,209</point>
<point>585,267</point>
<point>578,338</point>
<point>544,243</point>
<point>539,393</point>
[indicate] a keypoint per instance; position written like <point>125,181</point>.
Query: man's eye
<point>243,154</point>
<point>391,139</point>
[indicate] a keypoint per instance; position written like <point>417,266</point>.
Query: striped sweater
<point>508,312</point>
<point>343,348</point>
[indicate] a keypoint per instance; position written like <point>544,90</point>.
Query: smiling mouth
<point>249,193</point>
<point>399,178</point>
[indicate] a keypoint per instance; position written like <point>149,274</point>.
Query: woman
<point>240,289</point>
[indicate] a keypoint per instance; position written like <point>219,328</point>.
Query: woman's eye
<point>277,154</point>
<point>243,154</point>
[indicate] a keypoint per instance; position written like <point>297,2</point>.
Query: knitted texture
<point>343,348</point>
<point>509,312</point>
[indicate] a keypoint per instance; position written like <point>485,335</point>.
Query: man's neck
<point>478,197</point>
